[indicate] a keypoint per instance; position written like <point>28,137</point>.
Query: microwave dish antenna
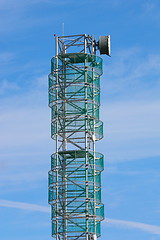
<point>104,45</point>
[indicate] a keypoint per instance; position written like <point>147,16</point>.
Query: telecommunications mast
<point>75,175</point>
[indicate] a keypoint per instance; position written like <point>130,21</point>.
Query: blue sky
<point>130,107</point>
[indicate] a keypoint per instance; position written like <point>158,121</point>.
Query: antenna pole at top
<point>62,29</point>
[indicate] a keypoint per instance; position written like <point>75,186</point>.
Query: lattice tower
<point>75,175</point>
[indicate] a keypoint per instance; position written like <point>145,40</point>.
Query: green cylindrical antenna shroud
<point>75,175</point>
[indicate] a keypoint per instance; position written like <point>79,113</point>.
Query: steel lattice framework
<point>75,175</point>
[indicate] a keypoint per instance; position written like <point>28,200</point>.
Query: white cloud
<point>6,61</point>
<point>130,105</point>
<point>151,10</point>
<point>132,119</point>
<point>25,116</point>
<point>25,141</point>
<point>134,225</point>
<point>6,57</point>
<point>115,222</point>
<point>131,129</point>
<point>24,206</point>
<point>6,87</point>
<point>16,15</point>
<point>113,170</point>
<point>24,177</point>
<point>42,82</point>
<point>23,126</point>
<point>132,74</point>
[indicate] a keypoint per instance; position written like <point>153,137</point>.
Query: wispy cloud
<point>6,61</point>
<point>6,57</point>
<point>29,126</point>
<point>133,119</point>
<point>130,172</point>
<point>134,225</point>
<point>16,14</point>
<point>7,87</point>
<point>24,206</point>
<point>134,74</point>
<point>130,105</point>
<point>115,222</point>
<point>31,114</point>
<point>132,128</point>
<point>151,10</point>
<point>27,178</point>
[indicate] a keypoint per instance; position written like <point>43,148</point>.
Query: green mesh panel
<point>75,189</point>
<point>75,175</point>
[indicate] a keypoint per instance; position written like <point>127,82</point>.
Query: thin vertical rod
<point>56,44</point>
<point>86,137</point>
<point>94,151</point>
<point>62,29</point>
<point>64,186</point>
